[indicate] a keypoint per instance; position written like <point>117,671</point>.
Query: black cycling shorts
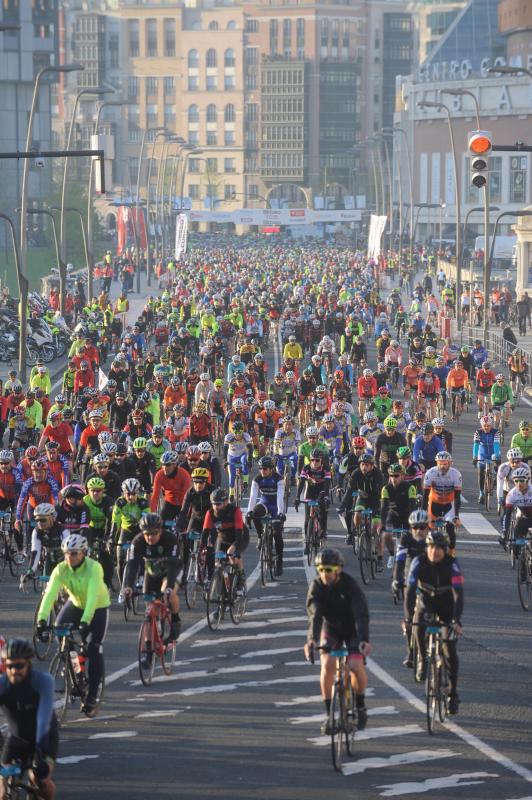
<point>334,637</point>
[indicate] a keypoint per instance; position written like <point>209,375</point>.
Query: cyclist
<point>157,550</point>
<point>371,429</point>
<point>428,391</point>
<point>196,502</point>
<point>426,447</point>
<point>437,568</point>
<point>393,358</point>
<point>485,378</point>
<point>413,473</point>
<point>315,480</point>
<point>351,461</point>
<point>398,500</point>
<point>367,390</point>
<point>382,403</point>
<point>40,488</point>
<point>520,498</point>
<point>505,473</point>
<point>27,698</point>
<point>157,445</point>
<point>441,371</point>
<point>238,452</point>
<point>87,607</point>
<point>486,447</point>
<point>224,531</point>
<point>102,469</point>
<point>142,464</point>
<point>411,544</point>
<point>518,368</point>
<point>523,440</point>
<point>47,534</point>
<point>458,383</point>
<point>125,517</point>
<point>363,491</point>
<point>387,444</point>
<point>338,615</point>
<point>501,398</point>
<point>312,443</point>
<point>286,445</point>
<point>173,482</point>
<point>442,486</point>
<point>266,497</point>
<point>100,509</point>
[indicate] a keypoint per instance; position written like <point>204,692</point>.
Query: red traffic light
<point>479,143</point>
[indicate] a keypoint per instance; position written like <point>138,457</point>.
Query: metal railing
<point>498,348</point>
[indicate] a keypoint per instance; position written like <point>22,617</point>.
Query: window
<point>169,114</point>
<point>252,26</point>
<point>251,80</point>
<point>194,165</point>
<point>229,113</point>
<point>518,179</point>
<point>133,166</point>
<point>273,36</point>
<point>193,114</point>
<point>151,85</point>
<point>169,37</point>
<point>287,36</point>
<point>252,112</point>
<point>231,25</point>
<point>251,56</point>
<point>335,33</point>
<point>253,190</point>
<point>151,38</point>
<point>229,191</point>
<point>193,191</point>
<point>212,139</point>
<point>345,34</point>
<point>132,87</point>
<point>229,165</point>
<point>300,30</point>
<point>212,114</point>
<point>151,114</point>
<point>169,84</point>
<point>325,33</point>
<point>213,26</point>
<point>133,30</point>
<point>211,165</point>
<point>229,82</point>
<point>193,59</point>
<point>229,58</point>
<point>113,51</point>
<point>211,83</point>
<point>229,137</point>
<point>495,178</point>
<point>193,137</point>
<point>193,82</point>
<point>210,58</point>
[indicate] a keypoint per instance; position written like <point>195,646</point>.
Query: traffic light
<point>479,146</point>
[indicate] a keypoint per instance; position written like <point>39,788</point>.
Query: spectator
<point>523,313</point>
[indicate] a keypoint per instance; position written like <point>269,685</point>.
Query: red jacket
<point>174,487</point>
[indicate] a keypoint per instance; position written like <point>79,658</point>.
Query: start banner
<point>271,217</point>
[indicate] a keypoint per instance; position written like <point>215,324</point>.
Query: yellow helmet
<point>200,472</point>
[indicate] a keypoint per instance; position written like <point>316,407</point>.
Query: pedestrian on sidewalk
<point>509,337</point>
<point>523,313</point>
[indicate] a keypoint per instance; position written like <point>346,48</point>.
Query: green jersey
<point>85,586</point>
<point>501,394</point>
<point>126,515</point>
<point>305,450</point>
<point>99,514</point>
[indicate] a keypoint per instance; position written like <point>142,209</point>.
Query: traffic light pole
<point>487,262</point>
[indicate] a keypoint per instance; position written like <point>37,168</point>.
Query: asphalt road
<point>240,716</point>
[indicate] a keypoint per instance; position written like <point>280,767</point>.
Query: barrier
<point>498,348</point>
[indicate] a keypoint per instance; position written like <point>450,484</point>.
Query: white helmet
<point>521,472</point>
<point>513,453</point>
<point>44,510</point>
<point>74,541</point>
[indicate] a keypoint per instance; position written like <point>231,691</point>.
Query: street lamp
<point>22,290</point>
<point>158,131</point>
<point>96,129</point>
<point>380,135</point>
<point>137,208</point>
<point>443,107</point>
<point>97,91</point>
<point>510,71</point>
<point>461,93</point>
<point>192,150</point>
<point>410,182</point>
<point>419,206</point>
<point>72,210</point>
<point>60,263</point>
<point>24,191</point>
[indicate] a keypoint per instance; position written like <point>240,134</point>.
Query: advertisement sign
<point>181,229</point>
<point>271,217</point>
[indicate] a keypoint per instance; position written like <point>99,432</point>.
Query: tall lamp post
<point>22,290</point>
<point>410,182</point>
<point>72,210</point>
<point>137,208</point>
<point>458,236</point>
<point>159,131</point>
<point>96,129</point>
<point>383,137</point>
<point>24,193</point>
<point>60,263</point>
<point>516,71</point>
<point>97,91</point>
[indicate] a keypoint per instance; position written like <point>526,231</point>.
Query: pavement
<point>239,717</point>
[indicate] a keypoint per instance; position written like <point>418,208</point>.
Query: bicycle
<point>343,713</point>
<point>196,574</point>
<point>489,483</point>
<point>395,374</point>
<point>524,571</point>
<point>152,634</point>
<point>9,553</point>
<point>268,555</point>
<point>218,435</point>
<point>42,649</point>
<point>367,547</point>
<point>227,590</point>
<point>398,596</point>
<point>14,786</point>
<point>238,487</point>
<point>313,532</point>
<point>287,478</point>
<point>436,681</point>
<point>133,604</point>
<point>456,405</point>
<point>68,669</point>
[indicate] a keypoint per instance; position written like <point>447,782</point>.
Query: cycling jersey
<point>485,379</point>
<point>457,379</point>
<point>501,394</point>
<point>126,515</point>
<point>268,490</point>
<point>425,452</point>
<point>34,493</point>
<point>367,387</point>
<point>85,586</point>
<point>173,487</point>
<point>237,447</point>
<point>441,487</point>
<point>524,444</point>
<point>397,501</point>
<point>411,376</point>
<point>486,444</point>
<point>371,434</point>
<point>286,444</point>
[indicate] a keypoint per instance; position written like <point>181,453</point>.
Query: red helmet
<point>384,390</point>
<point>338,374</point>
<point>358,441</point>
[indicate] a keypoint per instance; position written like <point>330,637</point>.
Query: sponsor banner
<point>181,229</point>
<point>274,217</point>
<point>376,229</point>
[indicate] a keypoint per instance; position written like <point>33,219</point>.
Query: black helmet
<point>427,428</point>
<point>266,462</point>
<point>73,492</point>
<point>18,648</point>
<point>437,538</point>
<point>149,522</point>
<point>316,453</point>
<point>329,556</point>
<point>219,496</point>
<point>259,511</point>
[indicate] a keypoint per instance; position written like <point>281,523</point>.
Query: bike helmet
<point>390,422</point>
<point>370,416</point>
<point>200,472</point>
<point>109,449</point>
<point>54,415</point>
<point>437,538</point>
<point>74,541</point>
<point>367,458</point>
<point>329,557</point>
<point>6,456</point>
<point>44,510</point>
<point>311,431</point>
<point>204,447</point>
<point>219,496</point>
<point>140,443</point>
<point>328,418</point>
<point>96,483</point>
<point>396,469</point>
<point>238,427</point>
<point>266,462</point>
<point>38,464</point>
<point>358,441</point>
<point>321,389</point>
<point>150,522</point>
<point>427,428</point>
<point>521,472</point>
<point>383,390</point>
<point>31,452</point>
<point>60,398</point>
<point>269,405</point>
<point>418,517</point>
<point>238,403</point>
<point>104,437</point>
<point>95,414</point>
<point>100,460</point>
<point>438,422</point>
<point>73,492</point>
<point>193,450</point>
<point>368,373</point>
<point>512,454</point>
<point>317,454</point>
<point>443,455</point>
<point>499,377</point>
<point>170,457</point>
<point>157,430</point>
<point>15,649</point>
<point>131,485</point>
<point>404,452</point>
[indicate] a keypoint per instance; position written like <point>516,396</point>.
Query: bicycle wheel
<point>169,649</point>
<point>286,494</point>
<point>351,721</point>
<point>336,722</point>
<point>42,649</point>
<point>308,539</point>
<point>130,606</point>
<point>239,598</point>
<point>264,558</point>
<point>17,561</point>
<point>443,694</point>
<point>146,656</point>
<point>488,489</point>
<point>364,557</point>
<point>62,684</point>
<point>431,693</point>
<point>191,583</point>
<point>215,601</point>
<point>355,534</point>
<point>373,552</point>
<point>524,579</point>
<point>316,536</point>
<point>238,488</point>
<point>272,556</point>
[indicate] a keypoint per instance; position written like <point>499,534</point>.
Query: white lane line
<point>377,711</point>
<point>65,760</point>
<point>146,714</point>
<point>226,687</point>
<point>452,781</point>
<point>477,525</point>
<point>464,500</point>
<point>524,399</point>
<point>261,623</point>
<point>396,760</point>
<point>271,598</point>
<point>278,652</point>
<point>206,673</point>
<point>300,701</point>
<point>477,541</point>
<point>114,735</point>
<point>260,611</point>
<point>372,733</point>
<point>248,638</point>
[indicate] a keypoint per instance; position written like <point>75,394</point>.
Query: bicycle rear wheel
<point>488,489</point>
<point>350,721</point>
<point>146,656</point>
<point>287,474</point>
<point>215,601</point>
<point>168,649</point>
<point>431,693</point>
<point>443,694</point>
<point>264,559</point>
<point>238,601</point>
<point>364,557</point>
<point>336,723</point>
<point>42,649</point>
<point>17,561</point>
<point>191,583</point>
<point>316,536</point>
<point>524,579</point>
<point>62,685</point>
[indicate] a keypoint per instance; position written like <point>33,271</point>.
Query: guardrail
<point>498,348</point>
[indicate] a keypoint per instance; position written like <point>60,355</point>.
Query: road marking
<point>477,525</point>
<point>476,541</point>
<point>452,781</point>
<point>299,701</point>
<point>524,399</point>
<point>278,652</point>
<point>269,635</point>
<point>260,623</point>
<point>205,673</point>
<point>270,598</point>
<point>114,735</point>
<point>396,760</point>
<point>73,759</point>
<point>372,733</point>
<point>377,711</point>
<point>146,714</point>
<point>260,611</point>
<point>464,500</point>
<point>225,687</point>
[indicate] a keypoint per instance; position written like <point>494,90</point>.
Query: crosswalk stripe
<point>451,781</point>
<point>396,760</point>
<point>373,733</point>
<point>477,525</point>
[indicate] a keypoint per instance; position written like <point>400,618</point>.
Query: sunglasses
<point>96,491</point>
<point>152,533</point>
<point>73,552</point>
<point>199,480</point>
<point>327,569</point>
<point>218,502</point>
<point>419,527</point>
<point>16,665</point>
<point>520,480</point>
<point>5,463</point>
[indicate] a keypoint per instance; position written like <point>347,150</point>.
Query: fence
<point>498,348</point>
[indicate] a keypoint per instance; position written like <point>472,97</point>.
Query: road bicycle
<point>227,591</point>
<point>42,648</point>
<point>287,478</point>
<point>133,603</point>
<point>68,668</point>
<point>437,681</point>
<point>398,596</point>
<point>218,435</point>
<point>15,788</point>
<point>9,553</point>
<point>238,487</point>
<point>268,555</point>
<point>489,483</point>
<point>153,639</point>
<point>314,534</point>
<point>343,713</point>
<point>524,571</point>
<point>196,574</point>
<point>367,547</point>
<point>457,406</point>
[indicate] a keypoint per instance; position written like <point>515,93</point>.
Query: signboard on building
<point>271,217</point>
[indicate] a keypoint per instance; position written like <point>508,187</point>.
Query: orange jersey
<point>367,387</point>
<point>457,379</point>
<point>174,397</point>
<point>411,375</point>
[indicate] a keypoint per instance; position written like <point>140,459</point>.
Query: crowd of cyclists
<point>193,431</point>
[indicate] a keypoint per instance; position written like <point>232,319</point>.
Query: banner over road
<point>274,216</point>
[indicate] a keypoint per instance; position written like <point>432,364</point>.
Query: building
<point>432,19</point>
